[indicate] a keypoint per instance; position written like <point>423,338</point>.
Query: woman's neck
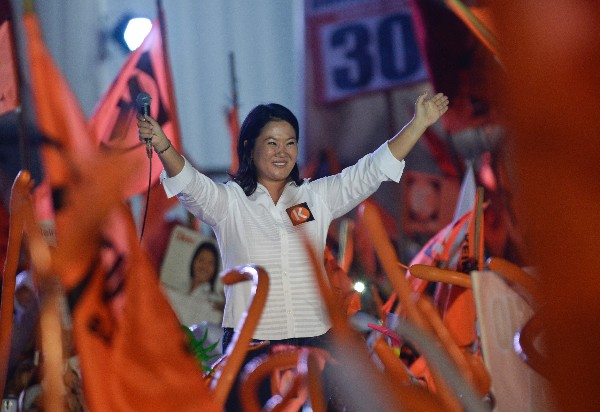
<point>275,189</point>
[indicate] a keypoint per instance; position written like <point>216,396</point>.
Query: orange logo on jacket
<point>299,214</point>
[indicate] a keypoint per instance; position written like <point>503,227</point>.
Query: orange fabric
<point>558,206</point>
<point>421,371</point>
<point>460,316</point>
<point>59,115</point>
<point>9,93</point>
<point>132,350</point>
<point>114,122</point>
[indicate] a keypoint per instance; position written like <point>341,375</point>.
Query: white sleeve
<point>176,184</point>
<point>344,191</point>
<point>201,196</point>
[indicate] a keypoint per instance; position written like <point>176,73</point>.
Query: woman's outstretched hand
<point>428,111</point>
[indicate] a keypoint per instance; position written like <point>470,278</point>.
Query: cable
<point>147,200</point>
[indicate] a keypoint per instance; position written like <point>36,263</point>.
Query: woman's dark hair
<point>211,248</point>
<point>245,176</point>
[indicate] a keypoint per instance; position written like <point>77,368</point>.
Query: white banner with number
<point>360,46</point>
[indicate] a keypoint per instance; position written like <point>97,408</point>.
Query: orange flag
<point>114,122</point>
<point>60,119</point>
<point>133,352</point>
<point>8,74</point>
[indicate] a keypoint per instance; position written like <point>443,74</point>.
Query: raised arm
<point>170,158</point>
<point>427,112</point>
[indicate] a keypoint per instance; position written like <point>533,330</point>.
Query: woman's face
<point>275,152</point>
<point>204,267</point>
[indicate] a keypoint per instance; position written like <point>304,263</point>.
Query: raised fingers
<point>441,102</point>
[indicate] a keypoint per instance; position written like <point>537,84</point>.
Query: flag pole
<point>233,113</point>
<point>234,93</point>
<point>24,153</point>
<point>476,25</point>
<point>170,87</point>
<point>478,243</point>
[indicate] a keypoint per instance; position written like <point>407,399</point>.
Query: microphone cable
<point>147,198</point>
<point>142,102</point>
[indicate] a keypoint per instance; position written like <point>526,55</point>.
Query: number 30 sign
<point>361,47</point>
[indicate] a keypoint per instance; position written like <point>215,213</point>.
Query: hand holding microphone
<point>143,101</point>
<point>149,131</point>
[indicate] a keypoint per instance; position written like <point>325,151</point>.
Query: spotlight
<point>131,31</point>
<point>359,287</point>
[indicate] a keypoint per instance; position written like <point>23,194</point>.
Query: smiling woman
<point>268,143</point>
<point>274,155</point>
<point>261,215</point>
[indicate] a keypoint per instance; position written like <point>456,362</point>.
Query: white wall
<point>266,37</point>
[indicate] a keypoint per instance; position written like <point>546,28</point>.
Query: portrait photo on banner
<point>175,268</point>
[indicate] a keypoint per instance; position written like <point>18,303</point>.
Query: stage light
<point>136,31</point>
<point>131,31</point>
<point>359,287</point>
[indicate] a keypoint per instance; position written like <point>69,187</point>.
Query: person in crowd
<point>203,301</point>
<point>25,319</point>
<point>259,214</point>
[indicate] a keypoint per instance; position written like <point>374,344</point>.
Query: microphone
<point>143,101</point>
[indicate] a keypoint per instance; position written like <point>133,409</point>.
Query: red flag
<point>9,99</point>
<point>114,121</point>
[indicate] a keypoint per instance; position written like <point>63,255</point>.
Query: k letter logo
<point>299,214</point>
